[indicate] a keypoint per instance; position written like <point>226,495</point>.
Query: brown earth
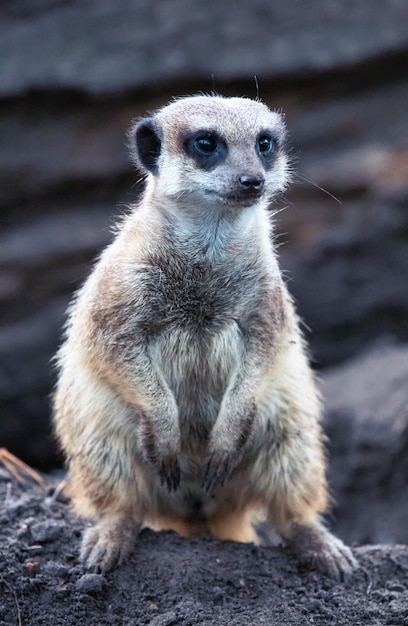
<point>169,580</point>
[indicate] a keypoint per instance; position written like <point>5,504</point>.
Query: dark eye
<point>206,145</point>
<point>265,144</point>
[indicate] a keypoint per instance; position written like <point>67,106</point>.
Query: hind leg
<point>116,511</point>
<point>107,480</point>
<point>108,542</point>
<point>318,547</point>
<point>299,498</point>
<point>290,470</point>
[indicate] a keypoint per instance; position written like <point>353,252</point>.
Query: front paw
<point>161,451</point>
<point>166,466</point>
<point>169,473</point>
<point>217,470</point>
<point>230,438</point>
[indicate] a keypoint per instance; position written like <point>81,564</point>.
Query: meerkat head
<point>211,151</point>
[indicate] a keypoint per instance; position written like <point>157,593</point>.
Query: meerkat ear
<point>145,144</point>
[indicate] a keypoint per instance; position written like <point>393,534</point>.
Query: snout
<point>250,185</point>
<point>244,189</point>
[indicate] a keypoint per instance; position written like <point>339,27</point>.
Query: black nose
<point>251,183</point>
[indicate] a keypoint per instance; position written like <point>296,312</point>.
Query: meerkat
<point>185,398</point>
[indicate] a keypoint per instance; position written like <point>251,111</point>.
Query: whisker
<point>138,181</point>
<point>274,212</point>
<point>256,87</point>
<point>314,183</point>
<point>305,326</point>
<point>279,244</point>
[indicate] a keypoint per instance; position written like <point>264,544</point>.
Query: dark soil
<point>170,580</point>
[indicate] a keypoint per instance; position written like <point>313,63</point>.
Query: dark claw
<point>170,474</point>
<point>216,472</point>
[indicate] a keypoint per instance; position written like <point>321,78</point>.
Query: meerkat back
<point>185,399</point>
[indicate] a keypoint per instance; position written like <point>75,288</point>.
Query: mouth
<point>241,200</point>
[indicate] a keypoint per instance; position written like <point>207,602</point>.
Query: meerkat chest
<point>198,298</point>
<point>193,317</point>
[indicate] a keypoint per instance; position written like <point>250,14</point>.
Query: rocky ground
<point>169,580</point>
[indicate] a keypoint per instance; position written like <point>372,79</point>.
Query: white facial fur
<point>238,122</point>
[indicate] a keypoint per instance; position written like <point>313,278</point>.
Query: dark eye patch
<point>267,145</point>
<point>207,148</point>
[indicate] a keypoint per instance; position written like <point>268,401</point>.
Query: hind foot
<point>108,543</point>
<point>318,548</point>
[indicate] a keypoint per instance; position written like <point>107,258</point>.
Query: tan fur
<point>185,399</point>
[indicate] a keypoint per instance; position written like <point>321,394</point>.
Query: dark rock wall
<point>104,47</point>
<point>367,425</point>
<point>73,76</point>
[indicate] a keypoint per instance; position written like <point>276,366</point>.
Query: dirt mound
<point>169,580</point>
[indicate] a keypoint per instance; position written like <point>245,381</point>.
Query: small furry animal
<point>185,399</point>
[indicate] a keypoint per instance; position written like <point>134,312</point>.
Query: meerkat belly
<point>198,367</point>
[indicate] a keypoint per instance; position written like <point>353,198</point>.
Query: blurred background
<point>73,75</point>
